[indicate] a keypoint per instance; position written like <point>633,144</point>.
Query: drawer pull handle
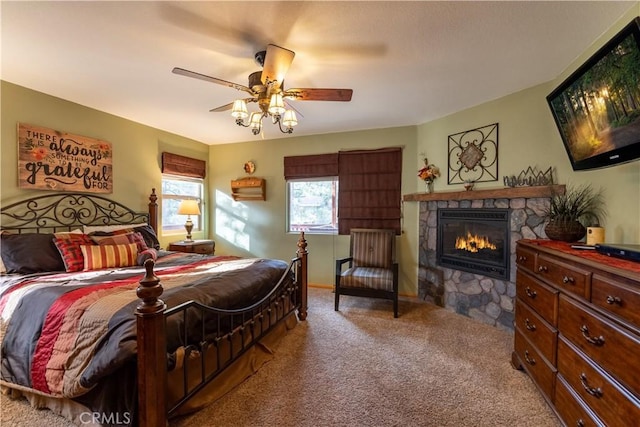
<point>613,300</point>
<point>530,293</point>
<point>530,326</point>
<point>597,341</point>
<point>543,269</point>
<point>522,258</point>
<point>530,360</point>
<point>580,423</point>
<point>568,279</point>
<point>595,392</point>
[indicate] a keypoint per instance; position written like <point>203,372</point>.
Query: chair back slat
<point>372,247</point>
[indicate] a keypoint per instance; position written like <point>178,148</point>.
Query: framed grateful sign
<point>52,160</point>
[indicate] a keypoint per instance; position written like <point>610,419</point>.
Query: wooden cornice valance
<point>183,166</point>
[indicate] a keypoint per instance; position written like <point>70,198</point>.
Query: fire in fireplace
<point>474,240</point>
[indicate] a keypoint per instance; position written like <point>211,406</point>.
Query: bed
<point>126,333</point>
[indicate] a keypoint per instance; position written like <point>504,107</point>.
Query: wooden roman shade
<point>369,194</point>
<point>314,166</point>
<point>183,166</point>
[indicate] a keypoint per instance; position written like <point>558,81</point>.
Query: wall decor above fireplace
<point>473,155</point>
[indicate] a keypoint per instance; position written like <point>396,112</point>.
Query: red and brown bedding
<point>63,332</point>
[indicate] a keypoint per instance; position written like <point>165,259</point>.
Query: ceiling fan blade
<point>229,106</point>
<point>319,94</point>
<point>276,64</point>
<point>187,73</point>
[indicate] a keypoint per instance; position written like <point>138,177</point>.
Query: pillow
<point>108,228</point>
<point>106,256</point>
<point>145,255</point>
<point>119,238</point>
<point>69,247</point>
<point>30,253</point>
<point>149,235</point>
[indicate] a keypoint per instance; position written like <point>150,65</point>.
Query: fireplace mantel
<point>489,193</point>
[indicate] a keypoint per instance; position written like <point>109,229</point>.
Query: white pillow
<point>107,228</point>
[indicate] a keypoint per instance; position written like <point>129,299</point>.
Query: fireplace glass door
<point>474,240</point>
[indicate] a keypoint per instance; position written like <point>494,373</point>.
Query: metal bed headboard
<point>66,211</point>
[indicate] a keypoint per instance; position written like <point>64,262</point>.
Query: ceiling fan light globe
<point>276,105</point>
<point>256,123</point>
<point>289,119</point>
<point>239,109</point>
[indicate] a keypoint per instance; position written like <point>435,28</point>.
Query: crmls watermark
<point>105,418</point>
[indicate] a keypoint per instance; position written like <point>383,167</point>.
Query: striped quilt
<point>60,334</point>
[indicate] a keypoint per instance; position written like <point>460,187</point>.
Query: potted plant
<point>570,212</point>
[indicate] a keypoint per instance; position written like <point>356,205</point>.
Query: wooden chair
<point>372,269</point>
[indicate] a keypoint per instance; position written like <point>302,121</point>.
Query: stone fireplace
<point>479,295</point>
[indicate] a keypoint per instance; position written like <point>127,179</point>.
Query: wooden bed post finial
<point>153,210</point>
<point>152,350</point>
<point>303,271</point>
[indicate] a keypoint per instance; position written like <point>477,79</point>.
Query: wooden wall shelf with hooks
<point>249,188</point>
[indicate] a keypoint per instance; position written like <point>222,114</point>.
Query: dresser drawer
<point>525,258</point>
<point>614,349</point>
<point>537,330</point>
<point>572,411</point>
<point>607,399</point>
<point>542,298</point>
<point>616,297</point>
<point>564,276</point>
<point>542,373</point>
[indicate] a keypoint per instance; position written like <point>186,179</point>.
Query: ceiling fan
<point>266,88</point>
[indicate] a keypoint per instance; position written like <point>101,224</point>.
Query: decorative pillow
<point>149,235</point>
<point>107,256</point>
<point>119,238</point>
<point>145,255</point>
<point>30,253</point>
<point>69,247</point>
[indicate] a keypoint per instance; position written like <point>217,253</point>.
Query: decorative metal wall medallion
<point>473,155</point>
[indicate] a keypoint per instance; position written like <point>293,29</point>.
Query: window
<point>174,190</point>
<point>313,205</point>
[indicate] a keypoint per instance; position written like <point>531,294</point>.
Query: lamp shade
<point>239,110</point>
<point>189,207</point>
<point>276,105</point>
<point>289,119</point>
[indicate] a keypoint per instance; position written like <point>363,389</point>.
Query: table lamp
<point>188,208</point>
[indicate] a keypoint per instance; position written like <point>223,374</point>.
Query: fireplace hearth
<point>474,240</point>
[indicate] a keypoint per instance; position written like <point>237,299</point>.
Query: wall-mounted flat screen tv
<point>597,108</point>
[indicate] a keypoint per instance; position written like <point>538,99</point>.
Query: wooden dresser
<point>577,332</point>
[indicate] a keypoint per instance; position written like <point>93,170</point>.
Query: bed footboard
<point>237,331</point>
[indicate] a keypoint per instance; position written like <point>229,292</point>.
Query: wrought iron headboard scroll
<point>66,211</point>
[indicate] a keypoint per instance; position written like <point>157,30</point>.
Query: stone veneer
<point>483,298</point>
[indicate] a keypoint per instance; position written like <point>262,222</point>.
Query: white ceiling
<point>407,62</point>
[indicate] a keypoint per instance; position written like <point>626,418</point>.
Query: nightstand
<point>207,247</point>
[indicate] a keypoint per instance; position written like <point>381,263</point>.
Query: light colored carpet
<point>361,367</point>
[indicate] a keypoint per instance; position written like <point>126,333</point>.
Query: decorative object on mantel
<point>530,176</point>
<point>52,160</point>
<point>473,155</point>
<point>428,174</point>
<point>570,213</point>
<point>468,185</point>
<point>250,167</point>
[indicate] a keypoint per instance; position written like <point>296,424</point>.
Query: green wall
<point>528,137</point>
<point>257,227</point>
<point>137,148</point>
